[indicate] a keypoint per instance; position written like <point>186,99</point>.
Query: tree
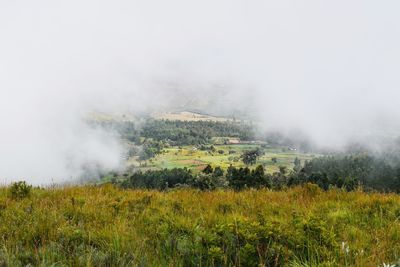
<point>250,157</point>
<point>208,169</point>
<point>238,178</point>
<point>218,171</point>
<point>259,178</point>
<point>297,164</point>
<point>204,181</point>
<point>282,170</point>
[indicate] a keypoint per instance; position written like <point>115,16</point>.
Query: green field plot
<point>223,156</point>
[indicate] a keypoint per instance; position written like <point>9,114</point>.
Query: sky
<point>328,69</point>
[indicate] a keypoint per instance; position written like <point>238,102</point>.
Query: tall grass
<point>107,226</point>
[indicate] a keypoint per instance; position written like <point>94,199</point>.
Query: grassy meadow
<point>223,156</point>
<point>108,226</point>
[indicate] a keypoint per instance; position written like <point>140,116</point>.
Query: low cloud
<point>328,70</point>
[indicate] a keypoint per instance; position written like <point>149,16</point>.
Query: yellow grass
<point>107,226</point>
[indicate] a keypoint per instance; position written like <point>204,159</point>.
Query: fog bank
<point>327,69</point>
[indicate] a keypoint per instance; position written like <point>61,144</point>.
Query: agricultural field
<point>108,226</point>
<point>223,156</point>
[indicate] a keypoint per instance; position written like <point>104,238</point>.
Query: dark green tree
<point>250,157</point>
<point>208,169</point>
<point>218,172</point>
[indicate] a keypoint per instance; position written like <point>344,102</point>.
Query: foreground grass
<point>106,226</point>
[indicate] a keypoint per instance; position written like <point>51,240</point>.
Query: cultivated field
<point>223,156</point>
<point>106,226</point>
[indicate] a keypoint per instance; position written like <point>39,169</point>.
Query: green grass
<point>195,159</point>
<point>107,226</point>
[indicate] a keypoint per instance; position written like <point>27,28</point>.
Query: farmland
<point>222,156</point>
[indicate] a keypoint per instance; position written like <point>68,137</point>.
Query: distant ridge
<point>188,116</point>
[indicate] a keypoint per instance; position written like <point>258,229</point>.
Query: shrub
<point>20,190</point>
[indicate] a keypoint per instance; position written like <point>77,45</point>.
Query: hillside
<point>188,116</point>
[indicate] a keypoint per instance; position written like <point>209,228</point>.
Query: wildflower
<point>345,247</point>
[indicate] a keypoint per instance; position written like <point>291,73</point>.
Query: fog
<point>327,69</point>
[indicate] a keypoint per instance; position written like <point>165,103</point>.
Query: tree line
<point>341,171</point>
<point>177,132</point>
<point>194,132</point>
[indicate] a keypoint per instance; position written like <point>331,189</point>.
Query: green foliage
<point>250,157</point>
<point>350,171</point>
<point>208,179</point>
<point>204,181</point>
<point>160,179</point>
<point>218,172</point>
<point>150,148</point>
<point>20,190</point>
<point>194,132</point>
<point>208,169</point>
<point>240,178</point>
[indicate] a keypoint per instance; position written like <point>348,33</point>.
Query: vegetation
<point>249,157</point>
<point>342,171</point>
<point>372,172</point>
<point>193,199</point>
<point>107,226</point>
<point>196,158</point>
<point>159,179</point>
<point>152,136</point>
<point>235,178</point>
<point>178,133</point>
<point>20,190</point>
<point>194,132</point>
<point>150,149</point>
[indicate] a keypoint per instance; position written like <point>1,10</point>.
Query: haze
<point>329,69</point>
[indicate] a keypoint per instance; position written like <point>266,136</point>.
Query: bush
<point>20,190</point>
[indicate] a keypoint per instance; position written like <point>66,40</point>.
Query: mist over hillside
<point>327,71</point>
